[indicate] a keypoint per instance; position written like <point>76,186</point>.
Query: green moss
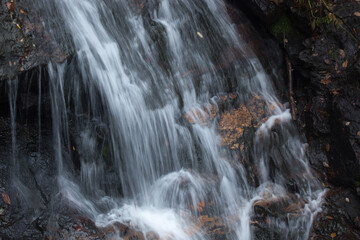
<point>282,27</point>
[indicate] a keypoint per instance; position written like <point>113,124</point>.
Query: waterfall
<point>118,107</point>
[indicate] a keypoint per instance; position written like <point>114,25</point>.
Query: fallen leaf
<point>199,34</point>
<point>357,219</point>
<point>342,53</point>
<point>11,6</point>
<point>329,217</point>
<point>325,81</point>
<point>6,198</point>
<point>335,91</point>
<point>333,235</point>
<point>357,14</point>
<point>347,199</point>
<point>325,164</point>
<point>74,148</point>
<point>23,12</point>
<point>327,61</point>
<point>77,227</point>
<point>327,147</point>
<point>358,133</point>
<point>200,206</point>
<point>345,64</point>
<point>347,123</point>
<point>2,211</point>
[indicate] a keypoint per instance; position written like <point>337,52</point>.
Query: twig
<point>291,92</point>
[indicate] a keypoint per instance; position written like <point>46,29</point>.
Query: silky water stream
<point>119,105</point>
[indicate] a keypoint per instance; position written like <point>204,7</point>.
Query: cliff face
<point>322,41</point>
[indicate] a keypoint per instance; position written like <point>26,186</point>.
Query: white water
<point>135,72</point>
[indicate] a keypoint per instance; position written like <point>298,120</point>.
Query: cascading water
<point>138,66</point>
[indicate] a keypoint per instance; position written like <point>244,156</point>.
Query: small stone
<point>347,123</point>
<point>325,164</point>
<point>347,199</point>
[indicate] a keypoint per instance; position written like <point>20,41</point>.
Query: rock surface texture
<point>24,43</point>
<point>322,40</point>
<point>322,43</point>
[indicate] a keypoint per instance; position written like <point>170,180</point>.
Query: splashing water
<point>138,66</point>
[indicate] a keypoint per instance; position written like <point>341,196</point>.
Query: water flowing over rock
<point>163,124</point>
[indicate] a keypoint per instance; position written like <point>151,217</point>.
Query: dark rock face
<point>27,167</point>
<point>326,69</point>
<point>325,55</point>
<point>24,43</point>
<point>340,217</point>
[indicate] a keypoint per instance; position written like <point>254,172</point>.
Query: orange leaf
<point>345,64</point>
<point>200,206</point>
<point>6,198</point>
<point>333,235</point>
<point>325,81</point>
<point>11,6</point>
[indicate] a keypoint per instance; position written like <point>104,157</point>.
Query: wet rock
<point>263,9</point>
<point>339,218</point>
<point>325,73</point>
<point>345,153</point>
<point>24,43</point>
<point>244,118</point>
